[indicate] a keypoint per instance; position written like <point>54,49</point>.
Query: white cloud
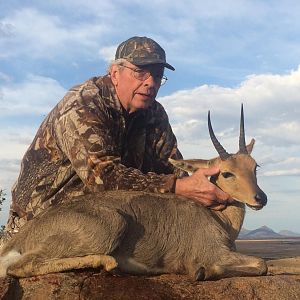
<point>9,169</point>
<point>36,95</point>
<point>271,105</point>
<point>108,53</point>
<point>14,141</point>
<point>4,77</point>
<point>6,30</point>
<point>272,109</point>
<point>192,34</point>
<point>40,35</point>
<point>207,43</point>
<point>291,172</point>
<point>286,166</point>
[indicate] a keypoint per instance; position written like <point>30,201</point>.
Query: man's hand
<point>198,188</point>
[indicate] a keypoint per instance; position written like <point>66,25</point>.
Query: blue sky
<point>225,52</point>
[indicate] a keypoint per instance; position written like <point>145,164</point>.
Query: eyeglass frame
<point>163,79</point>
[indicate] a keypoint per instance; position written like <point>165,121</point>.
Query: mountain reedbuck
<point>146,233</point>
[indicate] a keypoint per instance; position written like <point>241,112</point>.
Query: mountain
<point>244,231</point>
<point>263,232</point>
<point>288,233</point>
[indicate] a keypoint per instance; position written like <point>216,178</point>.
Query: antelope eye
<point>227,174</point>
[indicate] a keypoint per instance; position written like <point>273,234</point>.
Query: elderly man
<point>108,133</point>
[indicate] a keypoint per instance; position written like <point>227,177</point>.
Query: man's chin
<point>144,104</point>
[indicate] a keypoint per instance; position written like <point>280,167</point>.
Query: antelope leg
<point>236,264</point>
<point>28,266</point>
<point>284,266</point>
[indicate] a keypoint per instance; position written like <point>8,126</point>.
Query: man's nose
<point>152,80</point>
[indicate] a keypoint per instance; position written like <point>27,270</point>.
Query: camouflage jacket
<point>89,143</point>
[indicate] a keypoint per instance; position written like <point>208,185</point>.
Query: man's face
<point>133,88</point>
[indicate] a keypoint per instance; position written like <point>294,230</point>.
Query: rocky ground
<point>100,285</point>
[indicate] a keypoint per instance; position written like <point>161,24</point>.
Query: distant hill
<point>265,232</point>
<point>289,233</point>
<point>244,231</point>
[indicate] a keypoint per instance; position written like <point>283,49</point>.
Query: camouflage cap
<point>142,51</point>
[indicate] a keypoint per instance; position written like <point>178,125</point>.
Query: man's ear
<point>114,74</point>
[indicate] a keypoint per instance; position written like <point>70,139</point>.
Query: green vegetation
<point>2,198</point>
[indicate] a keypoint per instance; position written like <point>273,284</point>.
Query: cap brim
<point>168,66</point>
<point>145,62</point>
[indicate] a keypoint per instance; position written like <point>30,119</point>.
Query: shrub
<point>2,198</point>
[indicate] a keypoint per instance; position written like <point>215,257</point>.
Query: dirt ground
<point>270,249</point>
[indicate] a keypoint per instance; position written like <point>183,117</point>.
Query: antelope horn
<point>242,142</point>
<point>222,152</point>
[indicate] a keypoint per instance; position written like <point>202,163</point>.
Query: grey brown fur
<point>144,233</point>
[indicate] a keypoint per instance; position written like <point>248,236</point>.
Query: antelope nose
<point>261,198</point>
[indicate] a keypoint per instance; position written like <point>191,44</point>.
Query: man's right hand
<point>197,187</point>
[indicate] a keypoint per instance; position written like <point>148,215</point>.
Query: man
<point>108,133</point>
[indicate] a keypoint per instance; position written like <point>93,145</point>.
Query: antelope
<point>146,233</point>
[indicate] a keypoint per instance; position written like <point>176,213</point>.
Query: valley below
<point>270,248</point>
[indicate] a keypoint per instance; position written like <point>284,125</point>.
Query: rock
<point>284,266</point>
<point>89,285</point>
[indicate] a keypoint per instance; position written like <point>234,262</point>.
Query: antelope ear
<point>250,146</point>
<point>183,165</point>
<point>191,165</point>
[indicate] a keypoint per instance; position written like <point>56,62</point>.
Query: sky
<point>225,53</point>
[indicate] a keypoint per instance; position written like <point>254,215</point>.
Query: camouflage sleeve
<point>85,135</point>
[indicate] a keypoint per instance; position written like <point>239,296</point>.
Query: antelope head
<point>237,175</point>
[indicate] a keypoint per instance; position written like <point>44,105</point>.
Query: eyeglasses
<point>142,75</point>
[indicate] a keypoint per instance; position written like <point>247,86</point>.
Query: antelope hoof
<point>200,274</point>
